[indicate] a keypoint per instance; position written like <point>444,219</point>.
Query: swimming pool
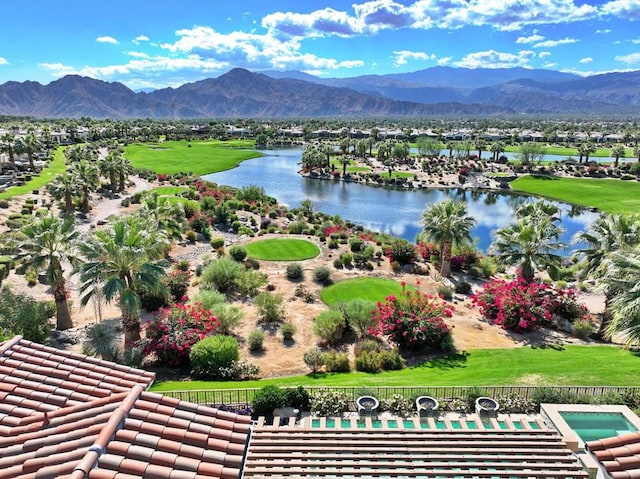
<point>590,426</point>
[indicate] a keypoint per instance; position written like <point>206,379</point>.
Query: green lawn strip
<point>371,289</point>
<point>282,249</point>
<point>568,365</point>
<point>355,169</point>
<point>201,158</point>
<point>56,166</point>
<point>573,151</point>
<point>608,195</point>
<point>168,190</point>
<point>398,174</point>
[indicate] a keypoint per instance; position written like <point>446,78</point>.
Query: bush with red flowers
<point>414,320</point>
<point>174,330</point>
<point>178,283</point>
<point>523,306</point>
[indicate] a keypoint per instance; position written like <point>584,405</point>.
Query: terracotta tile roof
<point>351,453</point>
<point>87,418</point>
<point>619,455</point>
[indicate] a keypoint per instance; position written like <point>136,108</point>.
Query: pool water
<point>590,426</point>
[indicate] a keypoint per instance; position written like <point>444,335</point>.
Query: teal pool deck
<point>612,421</point>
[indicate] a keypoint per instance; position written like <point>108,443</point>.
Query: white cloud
<point>635,41</point>
<point>107,39</point>
<point>4,61</point>
<point>631,59</point>
<point>544,54</point>
<point>493,59</point>
<point>444,60</point>
<point>138,54</point>
<point>403,56</point>
<point>530,39</point>
<point>603,31</point>
<point>585,60</point>
<point>139,39</point>
<point>555,43</point>
<point>625,9</point>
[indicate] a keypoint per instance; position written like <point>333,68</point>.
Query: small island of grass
<point>370,289</point>
<point>282,249</point>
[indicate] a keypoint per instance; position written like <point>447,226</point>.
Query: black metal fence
<point>235,397</point>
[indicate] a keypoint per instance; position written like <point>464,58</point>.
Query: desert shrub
<point>396,267</point>
<point>295,271</point>
<point>211,354</point>
<point>377,361</point>
<point>329,325</point>
<point>357,313</point>
<point>229,317</point>
<point>250,282</point>
<point>297,398</point>
<point>177,282</point>
<point>524,306</point>
<point>557,396</point>
<point>398,405</point>
<point>347,259</point>
<point>583,328</point>
<point>336,362</point>
<point>209,297</point>
<point>327,402</point>
<point>4,204</point>
<point>414,320</point>
<point>222,274</point>
<point>23,315</point>
<point>266,400</point>
<point>191,236</point>
<point>238,253</point>
<point>239,371</point>
<point>270,307</point>
<point>217,243</point>
<point>402,252</point>
<point>445,292</point>
<point>287,330</point>
<point>172,332</point>
<point>487,266</point>
<point>252,263</point>
<point>322,275</point>
<point>313,358</point>
<point>515,404</point>
<point>471,395</point>
<point>297,227</point>
<point>303,293</point>
<point>463,287</point>
<point>356,244</point>
<point>255,340</point>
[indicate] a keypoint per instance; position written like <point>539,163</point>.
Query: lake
<point>383,209</point>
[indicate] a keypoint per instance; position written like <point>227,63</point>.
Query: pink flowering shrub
<point>523,306</point>
<point>177,282</point>
<point>414,320</point>
<point>174,330</point>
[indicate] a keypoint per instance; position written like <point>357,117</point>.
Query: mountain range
<point>438,91</point>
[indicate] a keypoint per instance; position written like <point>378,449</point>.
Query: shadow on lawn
<point>450,361</point>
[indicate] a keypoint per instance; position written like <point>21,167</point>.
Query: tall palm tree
<point>167,215</point>
<point>30,145</point>
<point>617,152</point>
<point>87,176</point>
<point>607,235</point>
<point>64,187</point>
<point>123,169</point>
<point>7,145</point>
<point>119,261</point>
<point>109,169</point>
<point>623,280</point>
<point>46,243</point>
<point>530,243</point>
<point>447,224</point>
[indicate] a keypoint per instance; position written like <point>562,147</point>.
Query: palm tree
<point>530,244</point>
<point>29,145</point>
<point>7,145</point>
<point>607,235</point>
<point>167,215</point>
<point>496,148</point>
<point>617,152</point>
<point>623,280</point>
<point>87,177</point>
<point>64,186</point>
<point>46,244</point>
<point>636,152</point>
<point>119,261</point>
<point>447,224</point>
<point>109,169</point>
<point>344,160</point>
<point>480,145</point>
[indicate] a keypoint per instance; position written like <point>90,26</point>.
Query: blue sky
<point>159,43</point>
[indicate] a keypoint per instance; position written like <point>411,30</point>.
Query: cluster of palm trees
<point>611,255</point>
<point>86,167</point>
<point>30,144</point>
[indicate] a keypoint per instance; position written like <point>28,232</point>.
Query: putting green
<point>282,249</point>
<point>371,289</point>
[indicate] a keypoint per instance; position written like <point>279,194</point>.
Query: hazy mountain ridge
<point>240,93</point>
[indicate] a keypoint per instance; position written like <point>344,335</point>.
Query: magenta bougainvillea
<point>174,330</point>
<point>524,306</point>
<point>414,320</point>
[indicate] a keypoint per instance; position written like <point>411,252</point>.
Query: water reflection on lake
<point>389,210</point>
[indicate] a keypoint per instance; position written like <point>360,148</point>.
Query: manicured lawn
<point>371,289</point>
<point>397,174</point>
<point>56,166</point>
<point>168,190</point>
<point>201,158</point>
<point>554,366</point>
<point>573,151</point>
<point>282,249</point>
<point>608,195</point>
